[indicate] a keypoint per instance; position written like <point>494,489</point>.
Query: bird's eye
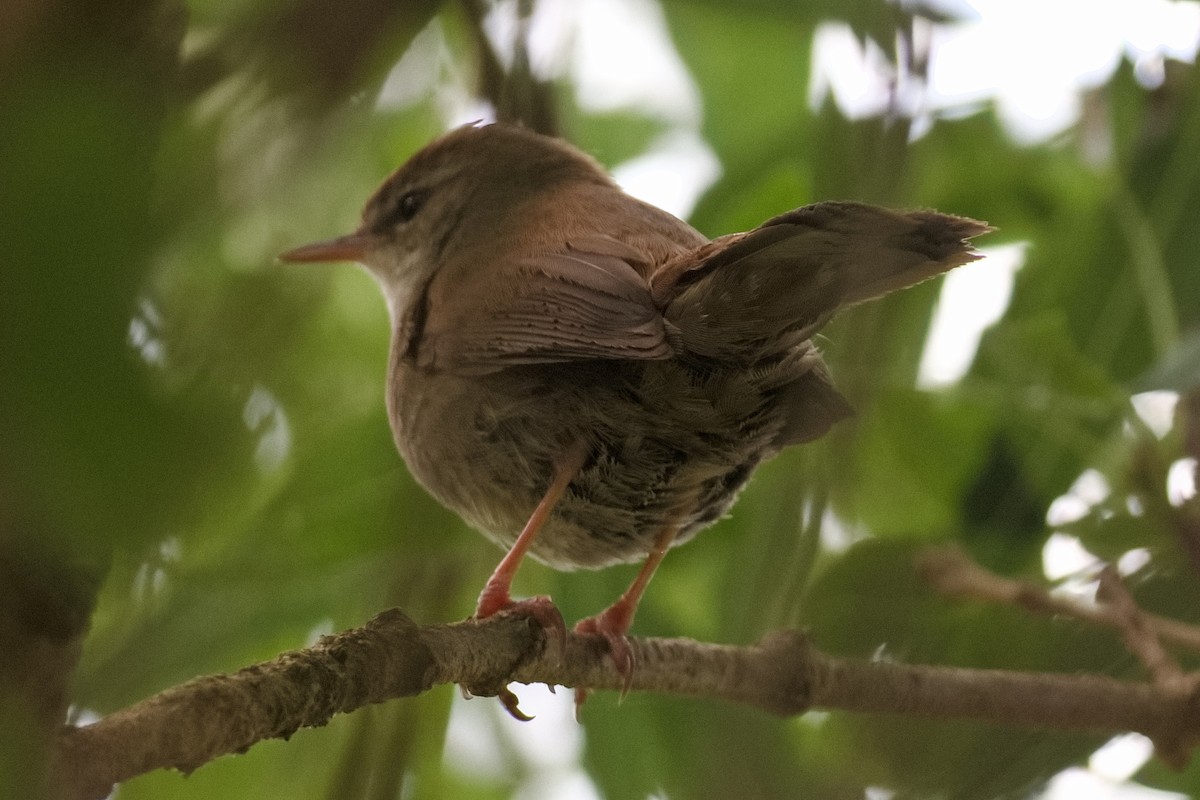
<point>409,204</point>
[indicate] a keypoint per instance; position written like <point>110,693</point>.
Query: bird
<point>586,378</point>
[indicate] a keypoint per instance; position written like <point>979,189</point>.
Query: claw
<point>507,698</point>
<point>581,696</point>
<point>623,659</point>
<point>511,704</point>
<point>619,650</point>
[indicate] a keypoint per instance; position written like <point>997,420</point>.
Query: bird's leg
<point>496,595</point>
<point>613,623</point>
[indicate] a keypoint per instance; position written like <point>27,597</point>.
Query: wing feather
<point>552,308</point>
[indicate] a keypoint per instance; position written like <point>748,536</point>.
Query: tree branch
<point>391,656</point>
<point>950,571</point>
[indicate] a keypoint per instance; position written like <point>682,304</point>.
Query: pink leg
<point>614,622</point>
<point>496,595</point>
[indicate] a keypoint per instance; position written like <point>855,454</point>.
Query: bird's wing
<point>557,307</point>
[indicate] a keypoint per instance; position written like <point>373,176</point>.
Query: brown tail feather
<point>792,273</point>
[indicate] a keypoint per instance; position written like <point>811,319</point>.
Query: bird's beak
<point>351,247</point>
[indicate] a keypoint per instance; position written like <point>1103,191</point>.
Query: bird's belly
<point>487,448</point>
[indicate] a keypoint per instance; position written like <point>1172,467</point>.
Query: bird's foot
<point>540,610</point>
<point>612,625</point>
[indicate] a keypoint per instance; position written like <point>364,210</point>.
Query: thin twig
<point>1141,640</point>
<point>952,573</point>
<point>1139,635</point>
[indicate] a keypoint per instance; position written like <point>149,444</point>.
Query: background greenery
<point>194,454</point>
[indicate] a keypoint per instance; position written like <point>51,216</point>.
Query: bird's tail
<point>777,284</point>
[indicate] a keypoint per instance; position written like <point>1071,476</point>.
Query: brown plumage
<point>547,323</point>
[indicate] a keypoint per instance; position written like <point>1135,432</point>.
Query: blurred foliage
<point>194,453</point>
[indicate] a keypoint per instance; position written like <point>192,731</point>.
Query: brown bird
<point>588,379</point>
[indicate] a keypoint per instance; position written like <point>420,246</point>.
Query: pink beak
<point>351,247</point>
